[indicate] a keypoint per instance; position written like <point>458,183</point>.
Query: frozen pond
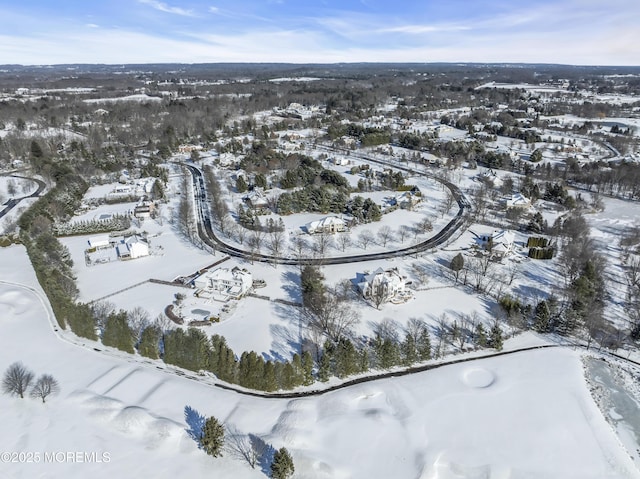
<point>619,407</point>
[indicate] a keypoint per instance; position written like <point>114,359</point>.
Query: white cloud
<point>163,7</point>
<point>511,36</point>
<point>420,29</point>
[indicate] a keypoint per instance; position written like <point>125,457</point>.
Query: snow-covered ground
<point>521,416</point>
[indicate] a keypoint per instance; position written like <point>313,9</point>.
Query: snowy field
<point>529,415</point>
<point>171,256</point>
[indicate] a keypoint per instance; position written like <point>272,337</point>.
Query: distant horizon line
<point>296,64</point>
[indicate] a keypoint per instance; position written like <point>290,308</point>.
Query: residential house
<point>518,200</point>
<point>256,199</point>
<point>223,284</point>
<point>330,224</point>
<point>132,247</point>
<point>499,243</point>
<point>387,285</point>
<point>144,209</point>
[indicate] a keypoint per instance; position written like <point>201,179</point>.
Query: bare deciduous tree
<point>241,233</point>
<point>138,319</point>
<point>17,379</point>
<point>322,242</point>
<point>385,234</point>
<point>101,311</point>
<point>415,326</point>
<point>276,240</point>
<point>329,314</point>
<point>379,293</point>
<point>403,232</point>
<point>344,240</point>
<point>447,204</point>
<point>45,386</point>
<point>513,268</point>
<point>424,226</point>
<point>245,447</point>
<point>164,323</point>
<point>365,238</point>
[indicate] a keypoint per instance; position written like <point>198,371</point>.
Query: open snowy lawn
<point>171,256</point>
<point>528,415</point>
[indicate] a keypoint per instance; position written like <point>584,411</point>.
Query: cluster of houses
<point>224,284</point>
<point>127,187</point>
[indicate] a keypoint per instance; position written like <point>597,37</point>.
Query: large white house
<point>132,247</point>
<point>384,285</point>
<point>330,224</point>
<point>223,284</point>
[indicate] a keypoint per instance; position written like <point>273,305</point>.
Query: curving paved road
<point>209,237</point>
<point>12,202</point>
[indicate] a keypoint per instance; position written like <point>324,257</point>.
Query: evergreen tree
<point>282,466</point>
<point>36,151</point>
<point>287,378</point>
<point>542,318</point>
<point>307,368</point>
<point>173,347</point>
<point>270,382</point>
<point>149,342</point>
<point>241,184</point>
<point>324,369</point>
<point>346,358</point>
<point>251,370</point>
<point>81,320</point>
<point>480,336</point>
<point>212,438</point>
<point>457,263</point>
<point>311,283</point>
<point>387,352</point>
<point>363,360</point>
<point>227,364</point>
<point>298,373</point>
<point>196,350</point>
<point>423,345</point>
<point>495,337</point>
<point>117,333</point>
<point>409,350</point>
<point>260,181</point>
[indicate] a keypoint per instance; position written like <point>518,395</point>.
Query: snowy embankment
<point>523,415</point>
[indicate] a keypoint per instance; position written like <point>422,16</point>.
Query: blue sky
<point>592,32</point>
